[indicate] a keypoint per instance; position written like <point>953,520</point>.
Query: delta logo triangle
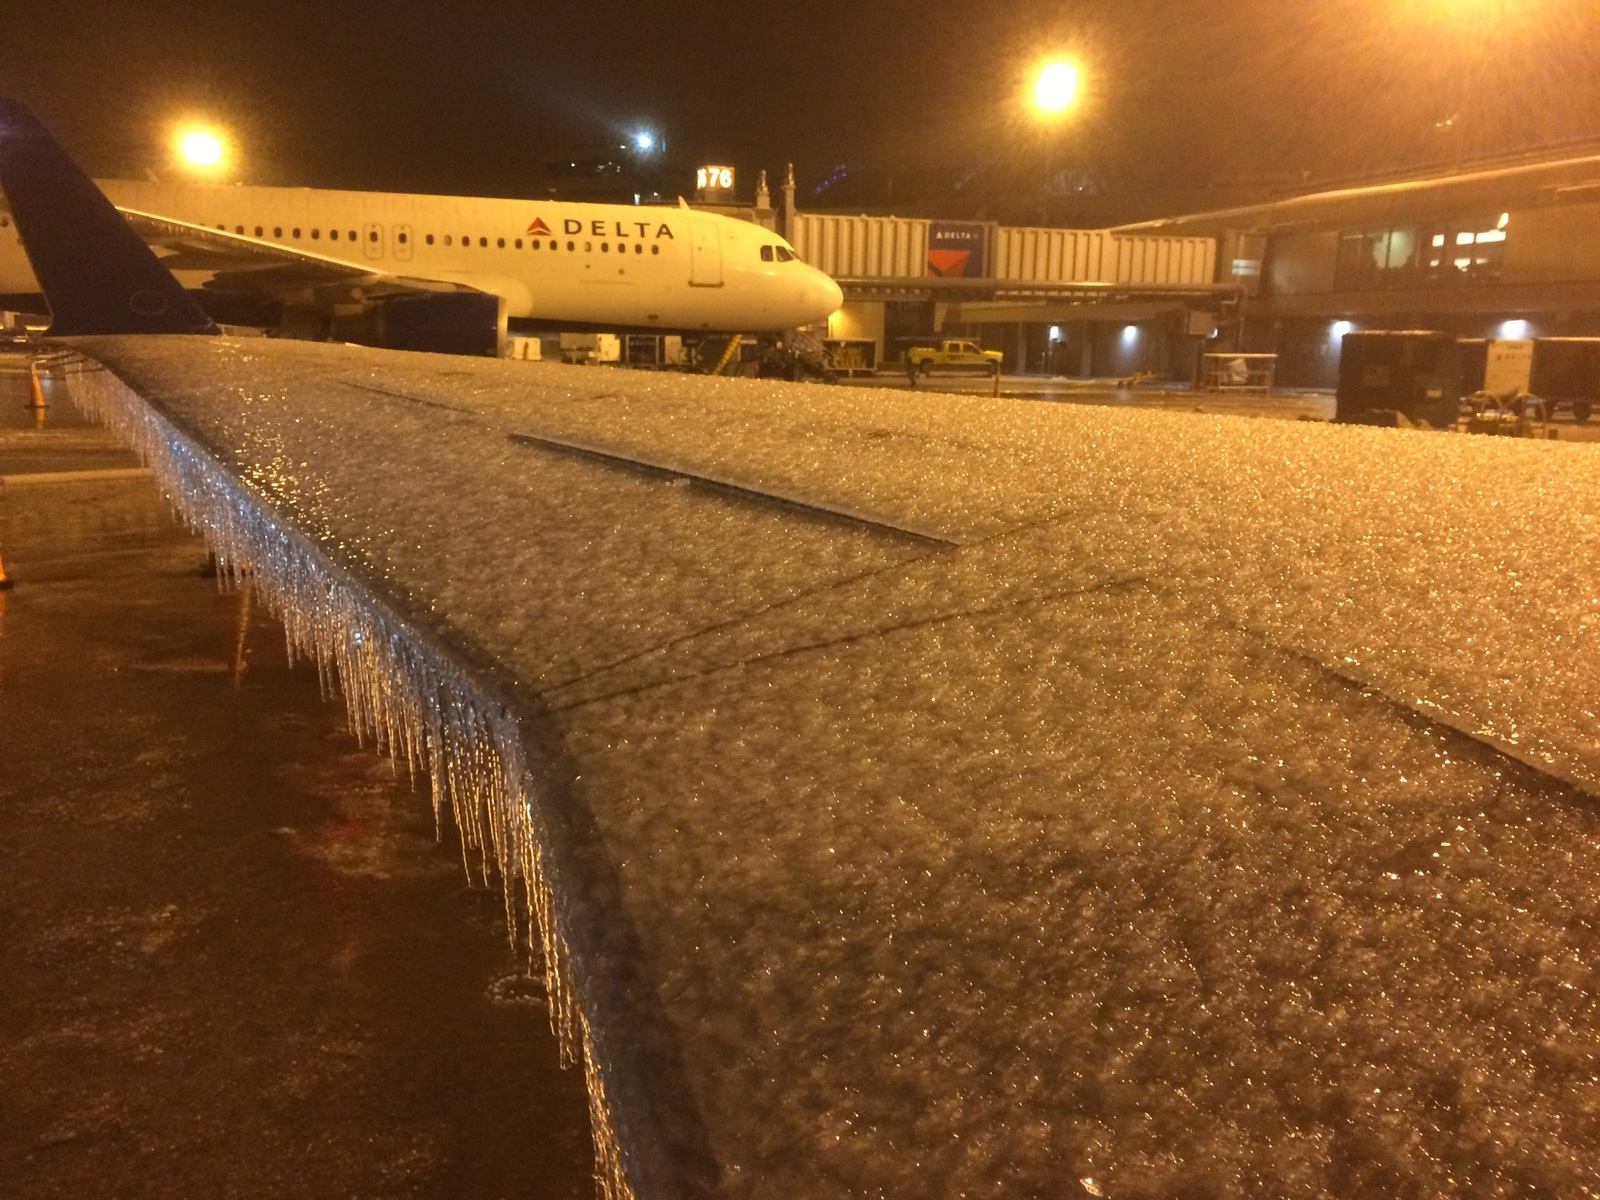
<point>538,228</point>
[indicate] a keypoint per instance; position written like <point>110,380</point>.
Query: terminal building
<point>1501,249</point>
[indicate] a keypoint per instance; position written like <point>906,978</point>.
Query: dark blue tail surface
<point>96,273</point>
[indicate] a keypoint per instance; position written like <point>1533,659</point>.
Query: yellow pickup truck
<point>955,354</point>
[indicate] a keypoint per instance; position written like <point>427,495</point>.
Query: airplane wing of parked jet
<point>971,798</point>
<point>234,262</point>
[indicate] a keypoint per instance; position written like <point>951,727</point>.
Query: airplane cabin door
<point>372,240</point>
<point>402,241</point>
<point>705,269</point>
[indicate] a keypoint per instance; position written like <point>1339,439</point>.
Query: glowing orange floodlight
<point>201,150</point>
<point>1055,87</point>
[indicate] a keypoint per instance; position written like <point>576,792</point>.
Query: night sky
<point>915,106</point>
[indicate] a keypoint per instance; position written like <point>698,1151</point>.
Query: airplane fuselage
<point>591,264</point>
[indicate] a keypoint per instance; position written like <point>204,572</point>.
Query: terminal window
<point>1467,251</point>
<point>1375,259</point>
<point>1447,253</point>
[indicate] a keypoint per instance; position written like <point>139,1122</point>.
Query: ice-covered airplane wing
<point>981,798</point>
<point>238,263</point>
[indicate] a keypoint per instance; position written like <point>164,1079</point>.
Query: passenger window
<point>484,242</point>
<point>259,231</point>
<point>296,233</point>
<point>535,244</point>
<point>277,231</point>
<point>655,249</point>
<point>333,235</point>
<point>500,243</point>
<point>588,247</point>
<point>316,233</point>
<point>373,236</point>
<point>429,239</point>
<point>238,228</point>
<point>402,238</point>
<point>448,241</point>
<point>766,254</point>
<point>519,243</point>
<point>352,235</point>
<point>571,245</point>
<point>605,247</point>
<point>637,248</point>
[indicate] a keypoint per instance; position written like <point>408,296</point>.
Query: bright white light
<point>1055,333</point>
<point>1515,331</point>
<point>644,141</point>
<point>1338,329</point>
<point>201,148</point>
<point>1056,87</point>
<point>1130,334</point>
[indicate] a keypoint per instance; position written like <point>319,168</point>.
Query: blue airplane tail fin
<point>97,275</point>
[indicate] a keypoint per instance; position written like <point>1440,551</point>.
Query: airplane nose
<point>823,297</point>
<point>833,295</point>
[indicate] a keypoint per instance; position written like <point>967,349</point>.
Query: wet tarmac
<point>1282,404</point>
<point>237,961</point>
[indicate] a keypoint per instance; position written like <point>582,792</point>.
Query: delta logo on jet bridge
<point>573,227</point>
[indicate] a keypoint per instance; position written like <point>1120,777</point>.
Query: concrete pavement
<point>236,960</point>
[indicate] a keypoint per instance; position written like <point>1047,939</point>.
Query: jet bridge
<point>986,274</point>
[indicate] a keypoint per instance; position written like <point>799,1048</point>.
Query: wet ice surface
<point>1143,837</point>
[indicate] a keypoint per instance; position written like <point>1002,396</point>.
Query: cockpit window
<point>766,254</point>
<point>785,254</point>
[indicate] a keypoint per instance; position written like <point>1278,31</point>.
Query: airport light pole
<point>1054,93</point>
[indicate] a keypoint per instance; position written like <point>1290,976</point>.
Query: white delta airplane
<point>378,267</point>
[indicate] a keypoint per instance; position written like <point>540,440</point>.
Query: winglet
<point>96,274</point>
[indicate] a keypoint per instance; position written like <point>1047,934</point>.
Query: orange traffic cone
<point>38,389</point>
